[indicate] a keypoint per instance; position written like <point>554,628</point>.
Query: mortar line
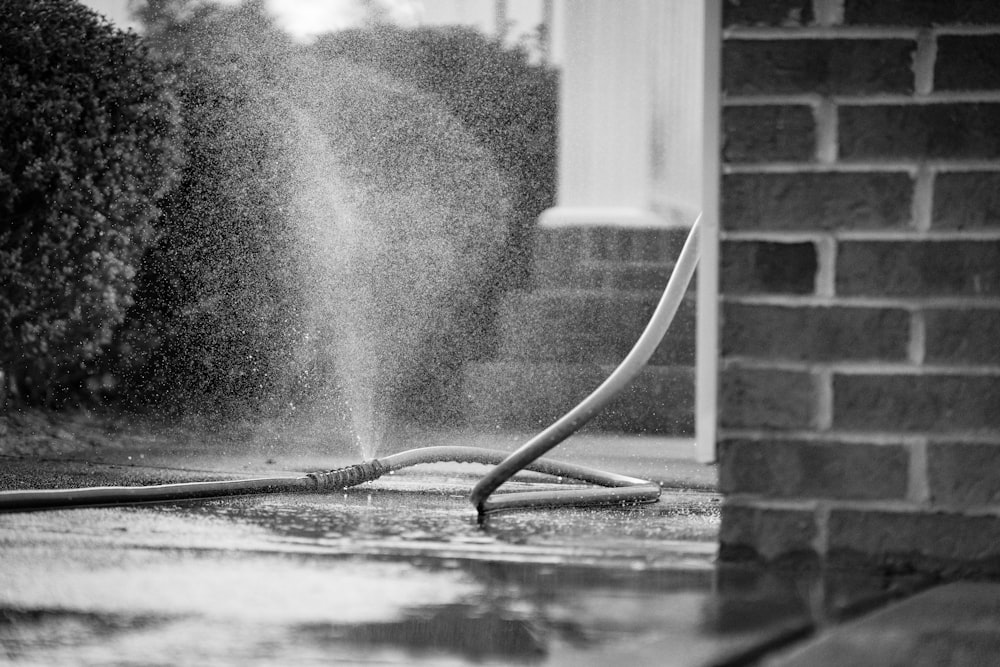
<point>826,259</point>
<point>828,13</point>
<point>923,63</point>
<point>824,400</point>
<point>906,303</point>
<point>877,438</point>
<point>934,97</point>
<point>923,199</point>
<point>875,235</point>
<point>863,367</point>
<point>853,32</point>
<point>990,29</point>
<point>774,99</point>
<point>908,166</point>
<point>825,113</point>
<point>917,351</point>
<point>874,99</point>
<point>818,32</point>
<point>918,488</point>
<point>763,502</point>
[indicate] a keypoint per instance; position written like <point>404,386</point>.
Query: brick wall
<point>860,279</point>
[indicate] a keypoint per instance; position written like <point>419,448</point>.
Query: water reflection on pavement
<point>397,572</point>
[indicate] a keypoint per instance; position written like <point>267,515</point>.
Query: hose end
<point>341,478</point>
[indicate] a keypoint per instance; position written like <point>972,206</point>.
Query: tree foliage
<point>213,317</point>
<point>87,146</point>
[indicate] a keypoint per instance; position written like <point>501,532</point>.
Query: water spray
<point>611,488</point>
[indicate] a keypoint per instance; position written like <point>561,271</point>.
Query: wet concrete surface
<point>956,624</point>
<point>398,571</point>
<point>372,576</point>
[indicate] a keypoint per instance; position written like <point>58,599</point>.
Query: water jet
<point>613,489</point>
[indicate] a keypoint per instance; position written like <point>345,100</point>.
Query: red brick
<point>964,473</point>
<point>771,535</point>
<point>938,403</point>
<point>918,268</point>
<point>768,133</point>
<point>755,267</point>
<point>966,200</point>
<point>767,12</point>
<point>967,62</point>
<point>766,398</point>
<point>816,201</point>
<point>815,333</point>
<point>808,469</point>
<point>824,66</point>
<point>919,131</point>
<point>939,543</point>
<point>969,336</point>
<point>920,12</point>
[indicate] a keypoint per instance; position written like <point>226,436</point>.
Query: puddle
<point>210,608</point>
<point>376,575</point>
<point>156,607</point>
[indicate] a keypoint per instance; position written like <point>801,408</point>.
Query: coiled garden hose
<point>620,378</point>
<point>612,488</point>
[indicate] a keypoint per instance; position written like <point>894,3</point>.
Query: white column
<point>630,124</point>
<point>707,326</point>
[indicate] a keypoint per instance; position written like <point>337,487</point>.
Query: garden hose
<point>611,488</point>
<point>330,480</point>
<point>620,378</point>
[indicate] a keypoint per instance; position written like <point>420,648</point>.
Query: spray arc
<point>609,488</point>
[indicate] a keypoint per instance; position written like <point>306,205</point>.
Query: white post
<point>707,327</point>
<point>639,142</point>
<point>623,103</point>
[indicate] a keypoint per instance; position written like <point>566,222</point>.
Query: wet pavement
<point>397,571</point>
<point>956,624</point>
<point>373,576</point>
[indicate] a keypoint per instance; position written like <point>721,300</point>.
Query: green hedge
<point>87,146</point>
<point>212,327</point>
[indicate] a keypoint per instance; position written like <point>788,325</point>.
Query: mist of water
<point>397,216</point>
<point>341,229</point>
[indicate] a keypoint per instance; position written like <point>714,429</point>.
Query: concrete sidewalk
<point>393,572</point>
<point>399,571</point>
<point>957,625</point>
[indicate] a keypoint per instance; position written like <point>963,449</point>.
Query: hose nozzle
<point>341,478</point>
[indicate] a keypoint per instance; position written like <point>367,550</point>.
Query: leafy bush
<point>509,104</point>
<point>87,146</point>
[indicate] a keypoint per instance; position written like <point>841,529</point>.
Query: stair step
<point>530,396</point>
<point>601,275</point>
<point>605,257</point>
<point>597,327</point>
<point>615,244</point>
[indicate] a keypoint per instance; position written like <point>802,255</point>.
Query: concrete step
<point>531,395</point>
<point>590,258</point>
<point>601,275</point>
<point>615,244</point>
<point>580,326</point>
